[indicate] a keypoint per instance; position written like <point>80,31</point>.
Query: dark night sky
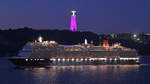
<point>100,16</point>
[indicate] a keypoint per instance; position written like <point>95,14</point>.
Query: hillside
<point>11,41</point>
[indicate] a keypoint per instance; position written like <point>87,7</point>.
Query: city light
<point>134,35</point>
<point>138,39</point>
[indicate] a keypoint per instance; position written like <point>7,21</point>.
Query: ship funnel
<point>40,39</point>
<point>85,42</point>
<point>105,43</point>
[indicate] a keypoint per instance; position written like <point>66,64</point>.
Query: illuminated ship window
<point>26,59</point>
<point>52,42</point>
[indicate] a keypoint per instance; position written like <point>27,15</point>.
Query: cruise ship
<point>47,53</point>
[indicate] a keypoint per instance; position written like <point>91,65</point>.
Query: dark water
<point>83,74</point>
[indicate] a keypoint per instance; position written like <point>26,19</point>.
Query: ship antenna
<point>40,39</point>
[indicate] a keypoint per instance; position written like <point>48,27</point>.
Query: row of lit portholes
<point>34,59</point>
<point>92,59</point>
<point>83,59</point>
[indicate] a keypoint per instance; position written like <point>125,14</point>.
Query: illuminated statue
<point>73,25</point>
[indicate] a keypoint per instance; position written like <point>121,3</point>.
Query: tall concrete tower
<point>73,25</point>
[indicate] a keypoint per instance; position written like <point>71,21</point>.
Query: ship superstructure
<point>47,52</point>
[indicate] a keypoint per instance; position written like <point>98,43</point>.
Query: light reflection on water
<point>79,74</point>
<point>82,74</point>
